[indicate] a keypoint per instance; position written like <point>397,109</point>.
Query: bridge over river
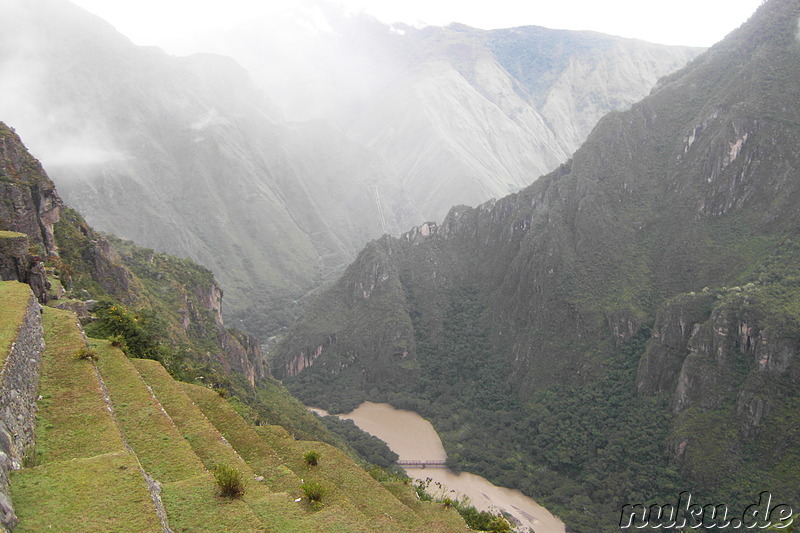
<point>415,463</point>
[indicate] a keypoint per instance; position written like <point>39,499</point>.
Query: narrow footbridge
<point>415,463</point>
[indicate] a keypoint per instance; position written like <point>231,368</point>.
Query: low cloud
<point>56,134</point>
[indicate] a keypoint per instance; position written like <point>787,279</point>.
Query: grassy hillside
<point>121,446</point>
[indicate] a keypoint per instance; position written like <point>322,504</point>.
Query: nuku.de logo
<point>685,514</point>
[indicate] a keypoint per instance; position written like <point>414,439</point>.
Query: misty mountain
<point>188,155</point>
<point>484,112</point>
<point>625,328</point>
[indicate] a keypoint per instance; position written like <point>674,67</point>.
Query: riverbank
<point>414,439</point>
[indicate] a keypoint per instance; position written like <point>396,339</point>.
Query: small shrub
<point>117,341</point>
<point>31,458</point>
<point>312,458</point>
<point>86,354</point>
<point>229,480</point>
<point>313,491</point>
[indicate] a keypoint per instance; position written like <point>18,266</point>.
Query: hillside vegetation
<point>119,444</point>
<point>622,330</point>
<point>122,446</point>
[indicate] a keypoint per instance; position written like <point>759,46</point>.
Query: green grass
<point>161,449</point>
<point>243,437</point>
<point>56,288</point>
<point>203,437</point>
<point>73,420</point>
<point>356,499</point>
<point>353,482</point>
<point>195,505</point>
<point>11,234</point>
<point>436,518</point>
<point>209,445</point>
<point>15,297</point>
<point>102,493</point>
<point>347,483</point>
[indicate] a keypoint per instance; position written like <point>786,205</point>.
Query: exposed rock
<point>17,263</point>
<point>241,353</point>
<point>81,309</point>
<point>19,383</point>
<point>30,204</point>
<point>675,322</point>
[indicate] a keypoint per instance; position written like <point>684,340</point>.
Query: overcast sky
<point>169,23</point>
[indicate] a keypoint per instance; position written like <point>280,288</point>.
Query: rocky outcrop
<point>201,315</point>
<point>29,204</point>
<point>666,351</point>
<point>29,208</point>
<point>17,263</point>
<point>242,353</point>
<point>306,357</point>
<point>726,359</point>
<point>19,383</point>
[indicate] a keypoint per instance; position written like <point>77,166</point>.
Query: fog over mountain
<point>460,114</point>
<point>275,176</point>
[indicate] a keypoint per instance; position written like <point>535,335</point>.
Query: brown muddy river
<point>413,438</point>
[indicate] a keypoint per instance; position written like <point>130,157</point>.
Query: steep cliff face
<point>90,265</point>
<point>29,208</point>
<point>30,203</point>
<point>693,187</point>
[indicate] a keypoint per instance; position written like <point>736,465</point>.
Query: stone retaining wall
<point>19,385</point>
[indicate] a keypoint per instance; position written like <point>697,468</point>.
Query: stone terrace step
<point>14,297</point>
<point>159,445</point>
<point>102,493</point>
<point>85,479</point>
<point>73,420</point>
<point>212,448</point>
<point>244,439</point>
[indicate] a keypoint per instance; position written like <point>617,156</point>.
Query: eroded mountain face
<point>460,114</point>
<point>188,155</point>
<point>648,282</point>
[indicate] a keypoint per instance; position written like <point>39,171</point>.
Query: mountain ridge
<point>190,156</point>
<point>517,312</point>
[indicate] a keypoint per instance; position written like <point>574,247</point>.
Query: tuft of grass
<point>230,481</point>
<point>117,341</point>
<point>86,354</point>
<point>311,457</point>
<point>314,491</point>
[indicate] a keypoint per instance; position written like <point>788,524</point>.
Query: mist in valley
<point>301,133</point>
